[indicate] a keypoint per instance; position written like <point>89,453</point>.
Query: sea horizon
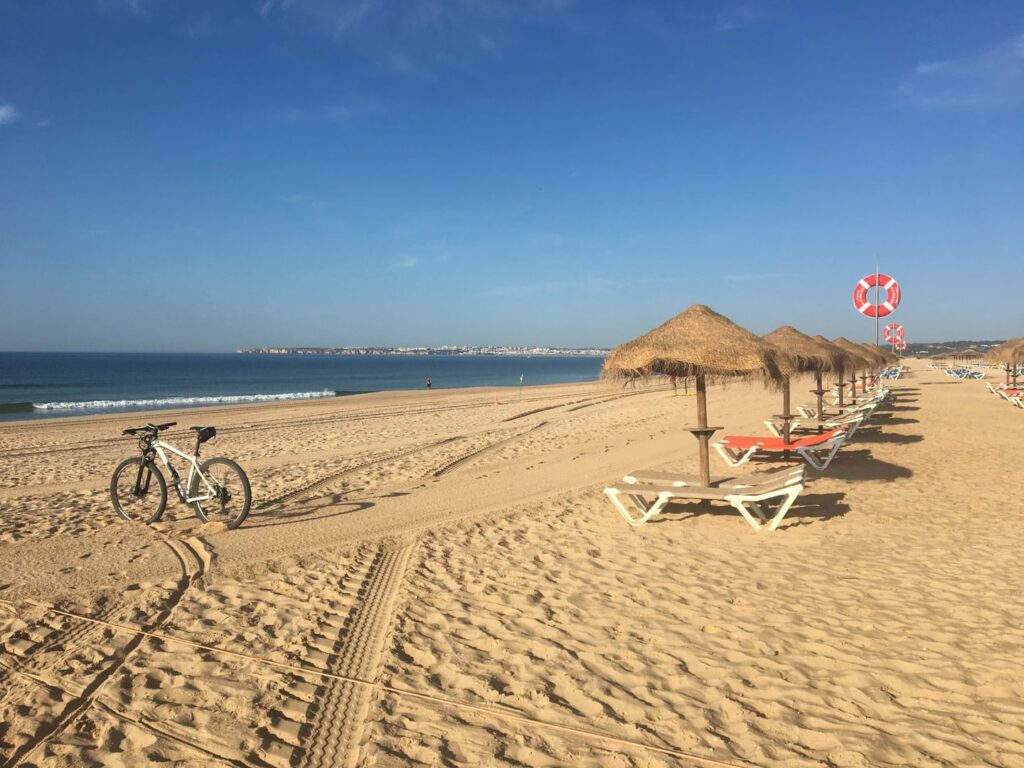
<point>38,385</point>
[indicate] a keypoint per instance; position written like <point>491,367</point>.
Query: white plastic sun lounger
<point>867,408</point>
<point>684,479</point>
<point>638,503</point>
<point>851,421</point>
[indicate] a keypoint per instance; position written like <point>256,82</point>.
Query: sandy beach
<point>435,578</point>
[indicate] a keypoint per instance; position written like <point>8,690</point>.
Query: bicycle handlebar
<point>151,428</point>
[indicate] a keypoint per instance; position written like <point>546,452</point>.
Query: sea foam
<point>183,402</point>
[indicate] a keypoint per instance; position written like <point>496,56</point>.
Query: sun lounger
<point>851,421</point>
<point>639,502</point>
<point>683,479</point>
<point>838,412</point>
<point>816,450</point>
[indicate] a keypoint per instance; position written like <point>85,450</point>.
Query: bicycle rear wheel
<point>231,496</point>
<point>138,497</point>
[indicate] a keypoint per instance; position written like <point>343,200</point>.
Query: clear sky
<point>193,175</point>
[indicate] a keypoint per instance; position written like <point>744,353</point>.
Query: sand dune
<point>435,578</point>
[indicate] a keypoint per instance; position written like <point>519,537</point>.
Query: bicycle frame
<point>160,446</point>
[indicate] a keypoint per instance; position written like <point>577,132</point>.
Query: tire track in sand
<point>338,714</point>
<point>194,556</point>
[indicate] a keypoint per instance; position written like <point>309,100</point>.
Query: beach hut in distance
<point>803,354</point>
<point>966,356</point>
<point>701,343</point>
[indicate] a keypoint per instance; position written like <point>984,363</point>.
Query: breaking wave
<point>176,402</point>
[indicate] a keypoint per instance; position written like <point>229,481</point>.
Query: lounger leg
<point>772,428</point>
<point>811,456</point>
<point>791,493</point>
<point>646,513</point>
<point>734,457</point>
<point>741,507</point>
<point>758,510</point>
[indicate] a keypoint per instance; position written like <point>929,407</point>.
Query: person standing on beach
<point>429,383</point>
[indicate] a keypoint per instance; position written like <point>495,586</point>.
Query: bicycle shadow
<point>333,506</point>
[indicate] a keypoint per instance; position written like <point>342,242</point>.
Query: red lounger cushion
<point>776,443</point>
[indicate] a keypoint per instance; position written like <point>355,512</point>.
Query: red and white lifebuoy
<point>892,332</point>
<point>867,307</point>
<point>900,344</point>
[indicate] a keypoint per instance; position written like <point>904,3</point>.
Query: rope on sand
<point>401,692</point>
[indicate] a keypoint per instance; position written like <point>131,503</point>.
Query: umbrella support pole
<point>839,384</point>
<point>785,417</point>
<point>819,393</point>
<point>703,432</point>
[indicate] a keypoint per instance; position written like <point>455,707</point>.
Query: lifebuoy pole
<point>878,271</point>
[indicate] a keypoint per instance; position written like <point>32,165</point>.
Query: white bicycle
<point>218,490</point>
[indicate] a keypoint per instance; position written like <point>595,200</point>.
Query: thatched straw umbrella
<point>701,343</point>
<point>876,357</point>
<point>804,355</point>
<point>842,361</point>
<point>1010,354</point>
<point>857,361</point>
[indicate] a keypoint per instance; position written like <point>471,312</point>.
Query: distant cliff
<point>948,347</point>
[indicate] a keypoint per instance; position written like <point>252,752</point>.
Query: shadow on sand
<point>333,506</point>
<point>861,465</point>
<point>877,436</point>
<point>891,421</point>
<point>811,508</point>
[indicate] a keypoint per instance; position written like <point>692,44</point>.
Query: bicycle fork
<point>141,489</point>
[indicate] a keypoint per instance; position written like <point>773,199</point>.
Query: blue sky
<point>187,175</point>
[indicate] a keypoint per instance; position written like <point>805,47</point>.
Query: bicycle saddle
<point>204,433</point>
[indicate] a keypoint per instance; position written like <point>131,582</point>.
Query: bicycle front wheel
<point>228,496</point>
<point>138,491</point>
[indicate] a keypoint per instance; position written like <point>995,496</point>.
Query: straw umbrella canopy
<point>803,355</point>
<point>1010,354</point>
<point>701,343</point>
<point>1007,352</point>
<point>876,356</point>
<point>843,361</point>
<point>857,360</point>
<point>873,354</point>
<point>879,359</point>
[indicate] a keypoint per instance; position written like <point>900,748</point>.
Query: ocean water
<point>45,384</point>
